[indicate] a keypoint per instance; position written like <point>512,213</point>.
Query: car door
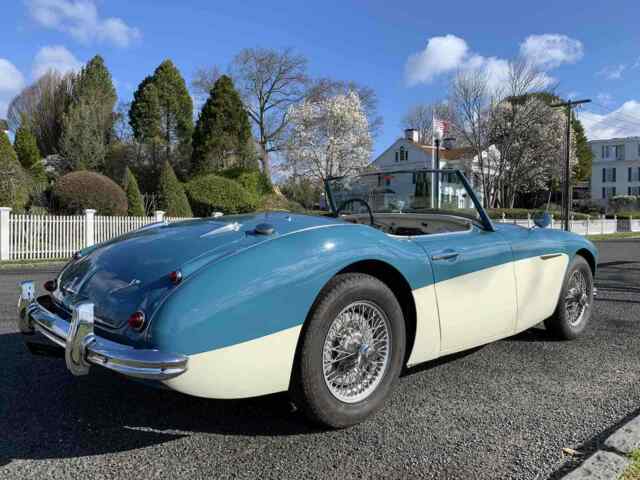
<point>475,286</point>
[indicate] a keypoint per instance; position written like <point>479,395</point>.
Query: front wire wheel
<point>575,304</point>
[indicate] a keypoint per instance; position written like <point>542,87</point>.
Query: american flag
<point>440,128</point>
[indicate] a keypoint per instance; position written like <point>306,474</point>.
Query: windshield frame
<point>485,221</point>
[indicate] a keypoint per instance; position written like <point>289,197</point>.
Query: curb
<point>611,461</point>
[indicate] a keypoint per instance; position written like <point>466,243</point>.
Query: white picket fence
<point>591,226</point>
<point>48,237</point>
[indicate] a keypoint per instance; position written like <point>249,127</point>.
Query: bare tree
<point>43,105</point>
<point>203,81</point>
<point>269,81</point>
<point>323,88</point>
<point>420,117</point>
<point>471,103</point>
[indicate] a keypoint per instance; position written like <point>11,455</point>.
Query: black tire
<point>560,324</point>
<point>309,389</point>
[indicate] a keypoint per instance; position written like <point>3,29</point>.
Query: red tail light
<point>136,320</point>
<point>175,277</point>
<point>50,285</point>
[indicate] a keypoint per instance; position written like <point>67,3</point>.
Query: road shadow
<point>48,413</point>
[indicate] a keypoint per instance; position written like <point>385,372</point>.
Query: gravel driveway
<point>502,411</point>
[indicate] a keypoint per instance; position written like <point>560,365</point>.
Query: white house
<point>407,153</point>
<point>616,168</point>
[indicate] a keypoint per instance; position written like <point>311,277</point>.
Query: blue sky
<point>406,51</point>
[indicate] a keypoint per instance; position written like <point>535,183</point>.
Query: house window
<point>402,155</point>
<point>605,151</point>
<point>619,151</point>
<point>609,174</point>
<point>396,156</point>
<point>634,191</point>
<point>608,192</point>
<point>387,181</point>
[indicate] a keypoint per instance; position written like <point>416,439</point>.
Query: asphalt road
<point>502,411</point>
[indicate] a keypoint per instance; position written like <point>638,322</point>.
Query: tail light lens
<point>136,320</point>
<point>175,277</point>
<point>50,285</point>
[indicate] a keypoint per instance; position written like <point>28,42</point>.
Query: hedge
<point>77,191</point>
<point>521,213</point>
<point>212,193</point>
<point>173,200</point>
<point>273,201</point>
<point>252,180</point>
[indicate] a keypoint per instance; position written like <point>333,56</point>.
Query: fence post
<point>571,222</point>
<point>504,217</point>
<point>89,227</point>
<point>528,220</point>
<point>4,233</point>
<point>615,222</point>
<point>588,217</point>
<point>601,224</point>
<point>159,215</point>
<point>552,221</point>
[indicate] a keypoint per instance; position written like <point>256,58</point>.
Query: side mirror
<point>542,220</point>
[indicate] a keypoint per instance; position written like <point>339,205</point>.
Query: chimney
<point>411,134</point>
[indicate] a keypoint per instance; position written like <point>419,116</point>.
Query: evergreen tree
<point>222,136</point>
<point>14,182</point>
<point>88,122</point>
<point>134,197</point>
<point>172,197</point>
<point>26,148</point>
<point>162,112</point>
<point>82,143</point>
<point>582,169</point>
<point>94,82</point>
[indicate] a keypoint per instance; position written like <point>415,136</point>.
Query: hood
<point>131,272</point>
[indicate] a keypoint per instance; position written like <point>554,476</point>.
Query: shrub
<point>252,180</point>
<point>134,198</point>
<point>273,201</point>
<point>77,191</point>
<point>622,203</point>
<point>172,197</point>
<point>15,183</point>
<point>211,193</point>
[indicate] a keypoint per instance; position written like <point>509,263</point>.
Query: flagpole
<point>433,160</point>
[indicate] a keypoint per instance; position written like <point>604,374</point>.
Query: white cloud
<point>613,72</point>
<point>623,122</point>
<point>54,57</point>
<point>81,20</point>
<point>604,99</point>
<point>551,50</point>
<point>441,55</point>
<point>447,54</point>
<point>11,82</point>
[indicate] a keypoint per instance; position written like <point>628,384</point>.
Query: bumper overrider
<point>83,348</point>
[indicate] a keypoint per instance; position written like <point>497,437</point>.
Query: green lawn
<point>633,471</point>
<point>610,236</point>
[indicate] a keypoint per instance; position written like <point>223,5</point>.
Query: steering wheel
<point>355,200</point>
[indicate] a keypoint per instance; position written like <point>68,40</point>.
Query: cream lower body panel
<point>539,283</point>
<point>427,342</point>
<point>248,369</point>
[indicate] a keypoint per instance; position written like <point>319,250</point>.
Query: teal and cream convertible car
<point>330,309</point>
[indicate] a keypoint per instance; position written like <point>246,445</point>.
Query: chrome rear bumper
<point>83,348</point>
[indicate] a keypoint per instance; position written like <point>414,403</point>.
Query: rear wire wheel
<point>351,352</point>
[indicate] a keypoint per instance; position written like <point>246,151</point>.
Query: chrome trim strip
<point>550,256</point>
<point>148,364</point>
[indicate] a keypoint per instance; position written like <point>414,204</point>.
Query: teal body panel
<point>272,287</point>
<point>238,285</point>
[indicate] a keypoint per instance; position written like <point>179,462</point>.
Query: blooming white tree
<point>328,137</point>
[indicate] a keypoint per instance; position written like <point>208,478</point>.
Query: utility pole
<point>566,202</point>
<point>437,167</point>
